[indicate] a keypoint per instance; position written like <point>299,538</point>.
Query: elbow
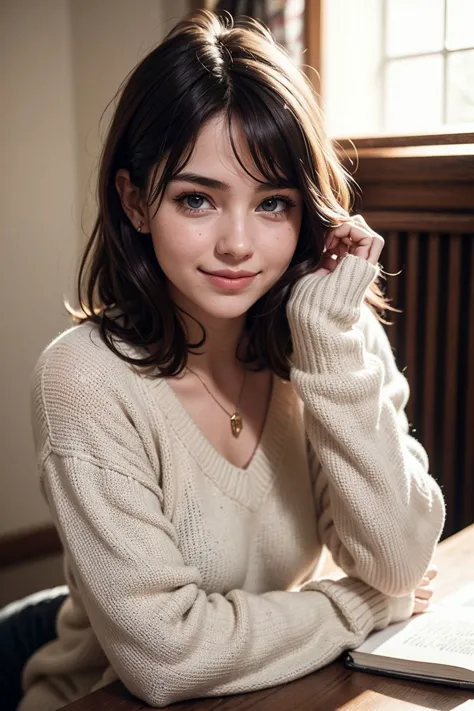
<point>156,693</point>
<point>401,577</point>
<point>400,569</point>
<point>389,575</point>
<point>161,698</point>
<point>421,542</point>
<point>158,686</point>
<point>395,577</point>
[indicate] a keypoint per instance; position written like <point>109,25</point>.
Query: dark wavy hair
<point>207,65</point>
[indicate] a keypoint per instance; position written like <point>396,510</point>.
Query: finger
<point>336,246</point>
<point>376,247</point>
<point>358,239</point>
<point>378,242</point>
<point>432,572</point>
<point>425,593</point>
<point>331,240</point>
<point>350,229</point>
<point>420,605</point>
<point>362,223</point>
<point>342,248</point>
<point>362,248</point>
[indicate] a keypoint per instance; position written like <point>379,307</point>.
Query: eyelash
<point>179,199</point>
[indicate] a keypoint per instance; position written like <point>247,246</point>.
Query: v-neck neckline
<point>247,485</point>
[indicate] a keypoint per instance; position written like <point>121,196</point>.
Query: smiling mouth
<point>229,283</point>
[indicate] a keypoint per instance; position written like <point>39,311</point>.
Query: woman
<point>229,402</point>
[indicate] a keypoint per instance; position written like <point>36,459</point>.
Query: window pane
<point>413,27</point>
<point>461,87</point>
<point>414,94</point>
<point>460,26</point>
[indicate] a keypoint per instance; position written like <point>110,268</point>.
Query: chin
<point>226,311</point>
<point>202,303</point>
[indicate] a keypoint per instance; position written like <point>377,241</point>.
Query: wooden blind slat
<point>468,415</point>
<point>430,360</point>
<point>450,419</point>
<point>411,316</point>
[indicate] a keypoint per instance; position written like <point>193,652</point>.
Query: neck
<point>217,357</point>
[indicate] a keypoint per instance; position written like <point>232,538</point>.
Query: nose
<point>235,238</point>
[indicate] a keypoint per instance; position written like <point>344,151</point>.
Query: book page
<point>441,636</point>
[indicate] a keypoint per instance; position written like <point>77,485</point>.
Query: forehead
<point>214,156</point>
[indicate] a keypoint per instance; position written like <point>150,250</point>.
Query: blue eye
<point>270,204</point>
<point>191,201</point>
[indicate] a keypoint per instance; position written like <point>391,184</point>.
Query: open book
<point>435,646</point>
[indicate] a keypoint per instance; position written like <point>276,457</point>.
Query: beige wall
<point>38,187</point>
<point>62,61</point>
<point>113,35</point>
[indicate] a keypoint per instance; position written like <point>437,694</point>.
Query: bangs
<point>273,136</point>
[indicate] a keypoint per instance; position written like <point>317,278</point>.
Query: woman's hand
<point>353,237</point>
<point>424,591</point>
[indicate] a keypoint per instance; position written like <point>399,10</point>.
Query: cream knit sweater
<point>191,577</point>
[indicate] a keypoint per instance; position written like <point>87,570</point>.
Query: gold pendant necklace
<point>236,422</point>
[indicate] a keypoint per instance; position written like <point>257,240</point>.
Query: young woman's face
<point>215,218</point>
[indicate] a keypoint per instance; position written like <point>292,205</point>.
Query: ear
<point>132,203</point>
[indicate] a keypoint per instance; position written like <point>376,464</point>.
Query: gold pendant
<point>236,424</point>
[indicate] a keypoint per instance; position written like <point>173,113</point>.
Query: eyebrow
<point>219,185</point>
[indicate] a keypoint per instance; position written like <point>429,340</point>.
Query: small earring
<point>139,228</point>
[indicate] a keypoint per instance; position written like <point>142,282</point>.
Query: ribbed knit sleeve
<point>379,511</point>
<point>165,636</point>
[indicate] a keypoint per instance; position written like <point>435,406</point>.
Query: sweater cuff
<point>339,294</point>
<point>321,308</point>
<point>365,608</point>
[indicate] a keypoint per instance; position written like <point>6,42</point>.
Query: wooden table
<point>333,687</point>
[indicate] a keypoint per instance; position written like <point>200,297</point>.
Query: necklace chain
<point>236,423</point>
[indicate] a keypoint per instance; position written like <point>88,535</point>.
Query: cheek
<point>282,248</point>
<point>176,241</point>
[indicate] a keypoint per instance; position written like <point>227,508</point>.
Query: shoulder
<point>77,360</point>
<point>80,391</point>
<point>78,347</point>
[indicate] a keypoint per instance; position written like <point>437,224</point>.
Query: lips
<point>230,274</point>
<point>229,280</point>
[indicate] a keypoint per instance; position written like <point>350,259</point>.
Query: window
<point>397,66</point>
